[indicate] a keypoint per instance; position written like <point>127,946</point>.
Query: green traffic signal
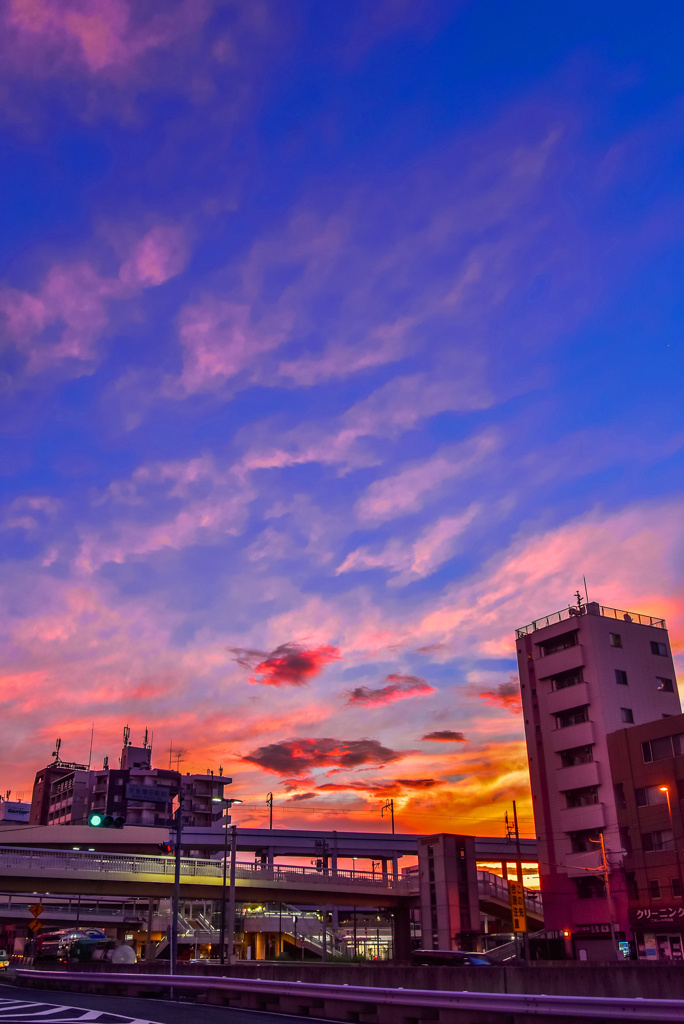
<point>98,819</point>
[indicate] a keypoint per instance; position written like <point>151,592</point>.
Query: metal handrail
<point>595,1007</point>
<point>135,864</point>
<point>593,608</point>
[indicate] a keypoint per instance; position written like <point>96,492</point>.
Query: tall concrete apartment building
<point>586,671</point>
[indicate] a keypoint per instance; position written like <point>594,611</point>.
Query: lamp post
<point>226,802</point>
<point>666,791</point>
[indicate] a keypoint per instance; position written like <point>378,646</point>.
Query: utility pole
<point>175,902</point>
<point>269,804</point>
<point>609,895</point>
<point>519,876</point>
<point>389,806</point>
<point>231,901</point>
<point>222,934</point>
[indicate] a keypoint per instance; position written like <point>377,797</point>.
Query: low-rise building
<point>66,793</point>
<point>647,768</point>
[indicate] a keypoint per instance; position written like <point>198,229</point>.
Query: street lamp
<point>227,803</point>
<point>666,791</point>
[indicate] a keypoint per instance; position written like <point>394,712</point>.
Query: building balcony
<point>579,864</point>
<point>574,819</point>
<point>561,661</point>
<point>568,697</point>
<point>577,776</point>
<point>579,735</point>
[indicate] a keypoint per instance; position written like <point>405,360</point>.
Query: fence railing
<point>34,861</point>
<point>380,1002</point>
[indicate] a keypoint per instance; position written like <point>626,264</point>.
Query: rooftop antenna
<point>579,598</point>
<point>105,763</point>
<point>90,755</point>
<point>586,594</point>
<point>145,739</point>
<point>170,753</point>
<point>55,752</point>
<point>127,735</point>
<point>7,794</point>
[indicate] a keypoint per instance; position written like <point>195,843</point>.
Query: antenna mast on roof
<point>55,752</point>
<point>145,739</point>
<point>126,735</point>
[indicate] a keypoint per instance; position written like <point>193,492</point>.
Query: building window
<point>558,643</point>
<point>619,791</point>
<point>632,888</point>
<point>582,797</point>
<point>659,840</point>
<point>627,715</point>
<point>676,884</point>
<point>658,648</point>
<point>570,678</point>
<point>590,888</point>
<point>654,889</point>
<point>573,716</point>
<point>664,747</point>
<point>620,677</point>
<point>646,796</point>
<point>576,755</point>
<point>664,685</point>
<point>615,640</point>
<point>585,840</point>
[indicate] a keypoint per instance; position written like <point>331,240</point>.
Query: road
<point>21,1005</point>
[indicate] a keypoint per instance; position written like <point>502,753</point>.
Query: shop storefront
<point>658,932</point>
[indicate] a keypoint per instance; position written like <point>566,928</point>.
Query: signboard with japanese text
<point>657,915</point>
<point>516,896</point>
<point>148,794</point>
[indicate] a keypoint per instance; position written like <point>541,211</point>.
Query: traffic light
<point>98,819</point>
<point>166,848</point>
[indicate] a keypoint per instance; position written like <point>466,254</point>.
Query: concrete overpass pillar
<point>395,867</point>
<point>148,934</point>
<point>401,937</point>
<point>384,868</point>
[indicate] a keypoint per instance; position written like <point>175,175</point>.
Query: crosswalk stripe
<point>17,1011</point>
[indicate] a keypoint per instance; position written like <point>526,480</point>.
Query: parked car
<point>4,960</point>
<point>449,958</point>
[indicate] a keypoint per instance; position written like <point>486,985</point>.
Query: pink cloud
<point>409,489</point>
<point>628,558</point>
<point>397,687</point>
<point>161,254</point>
<point>436,544</point>
<point>220,340</point>
<point>506,695</point>
<point>101,35</point>
<point>73,300</point>
<point>401,404</point>
<point>290,664</point>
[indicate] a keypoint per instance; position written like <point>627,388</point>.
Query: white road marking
<point>17,1011</point>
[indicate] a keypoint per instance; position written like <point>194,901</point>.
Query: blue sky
<point>338,340</point>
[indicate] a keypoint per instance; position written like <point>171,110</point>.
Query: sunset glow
<point>338,341</point>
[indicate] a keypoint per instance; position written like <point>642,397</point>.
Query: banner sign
<point>516,896</point>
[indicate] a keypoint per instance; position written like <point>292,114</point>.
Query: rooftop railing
<point>593,608</point>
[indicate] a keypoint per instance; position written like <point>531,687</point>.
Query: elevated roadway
<point>94,873</point>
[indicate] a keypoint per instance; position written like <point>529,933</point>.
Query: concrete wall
<point>621,980</point>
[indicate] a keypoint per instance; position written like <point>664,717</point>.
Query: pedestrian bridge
<point>24,869</point>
